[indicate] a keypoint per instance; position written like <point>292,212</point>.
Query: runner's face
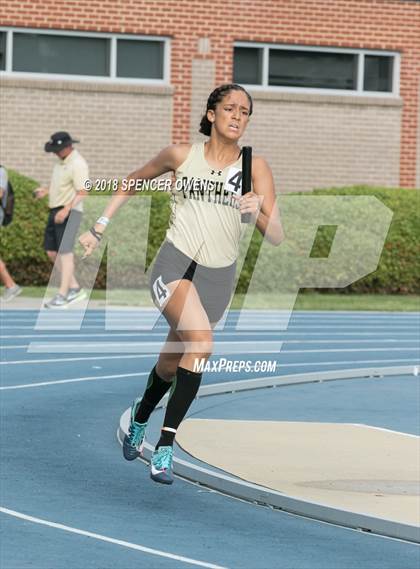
<point>232,115</point>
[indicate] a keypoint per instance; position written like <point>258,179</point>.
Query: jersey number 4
<point>234,181</point>
<point>161,291</point>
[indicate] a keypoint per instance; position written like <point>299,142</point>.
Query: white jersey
<point>205,221</point>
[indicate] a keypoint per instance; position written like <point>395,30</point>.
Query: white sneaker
<point>11,293</point>
<point>59,301</point>
<point>76,295</point>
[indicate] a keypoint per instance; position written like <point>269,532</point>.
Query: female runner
<point>193,274</point>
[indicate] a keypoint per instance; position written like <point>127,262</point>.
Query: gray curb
<point>267,497</point>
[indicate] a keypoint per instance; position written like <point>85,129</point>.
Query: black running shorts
<point>60,237</point>
<point>214,285</point>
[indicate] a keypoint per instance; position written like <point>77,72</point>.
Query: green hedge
<point>21,241</point>
<point>398,270</point>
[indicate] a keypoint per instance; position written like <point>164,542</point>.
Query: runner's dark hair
<point>215,97</point>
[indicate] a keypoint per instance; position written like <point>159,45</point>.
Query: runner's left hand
<point>250,203</point>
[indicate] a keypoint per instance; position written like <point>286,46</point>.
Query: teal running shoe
<point>133,442</point>
<point>161,465</point>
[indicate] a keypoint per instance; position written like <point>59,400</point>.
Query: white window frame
<point>111,78</point>
<point>360,53</point>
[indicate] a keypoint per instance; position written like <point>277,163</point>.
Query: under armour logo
<point>218,172</point>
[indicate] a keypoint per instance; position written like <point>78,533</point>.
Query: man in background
<point>65,194</point>
<point>11,289</point>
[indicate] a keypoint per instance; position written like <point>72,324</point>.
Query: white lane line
<point>18,347</point>
<point>251,313</point>
<point>250,332</point>
<point>75,316</point>
<point>332,326</point>
<point>83,358</point>
<point>121,347</point>
<point>140,374</point>
<point>286,315</point>
<point>73,380</point>
<point>107,539</point>
<point>283,364</point>
<point>228,327</point>
<point>341,362</point>
<point>39,335</point>
<point>135,347</point>
<point>374,349</point>
<point>294,315</point>
<point>382,341</point>
<point>386,430</point>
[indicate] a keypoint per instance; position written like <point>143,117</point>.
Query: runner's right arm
<point>167,160</point>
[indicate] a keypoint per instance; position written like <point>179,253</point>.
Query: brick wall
<point>371,24</point>
<point>418,141</point>
<point>316,141</point>
<point>119,126</point>
<point>203,72</point>
<point>312,141</point>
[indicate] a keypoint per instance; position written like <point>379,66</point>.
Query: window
<point>247,65</point>
<point>378,73</point>
<point>85,55</point>
<point>71,55</point>
<point>317,70</point>
<point>2,51</point>
<point>143,59</point>
<point>291,67</point>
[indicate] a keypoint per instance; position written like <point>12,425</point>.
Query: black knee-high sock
<point>184,390</point>
<point>155,390</point>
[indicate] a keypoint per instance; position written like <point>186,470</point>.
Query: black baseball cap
<point>58,141</point>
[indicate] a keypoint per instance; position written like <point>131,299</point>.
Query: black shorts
<point>214,285</point>
<point>60,237</point>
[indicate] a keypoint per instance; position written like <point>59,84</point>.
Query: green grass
<point>307,301</point>
<point>333,301</point>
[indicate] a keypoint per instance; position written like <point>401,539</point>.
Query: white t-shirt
<point>68,177</point>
